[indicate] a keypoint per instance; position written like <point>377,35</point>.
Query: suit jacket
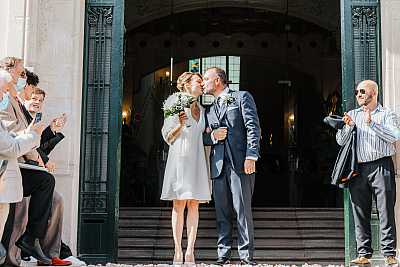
<point>346,165</point>
<point>15,121</point>
<point>48,140</point>
<point>11,147</point>
<point>243,138</point>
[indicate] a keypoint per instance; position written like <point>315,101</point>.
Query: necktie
<point>218,105</point>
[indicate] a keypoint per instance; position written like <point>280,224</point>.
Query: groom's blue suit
<point>232,188</point>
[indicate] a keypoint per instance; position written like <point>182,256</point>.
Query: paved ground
<point>212,265</point>
<point>32,263</point>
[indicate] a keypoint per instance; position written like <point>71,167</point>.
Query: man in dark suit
<point>233,130</point>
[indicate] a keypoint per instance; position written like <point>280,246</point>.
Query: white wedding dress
<point>186,172</point>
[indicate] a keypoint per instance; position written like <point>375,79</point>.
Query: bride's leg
<point>177,227</point>
<point>192,222</point>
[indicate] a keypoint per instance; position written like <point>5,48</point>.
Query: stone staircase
<point>282,236</point>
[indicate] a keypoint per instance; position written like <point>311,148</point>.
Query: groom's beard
<point>367,101</point>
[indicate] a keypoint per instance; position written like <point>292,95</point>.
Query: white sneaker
<point>75,261</point>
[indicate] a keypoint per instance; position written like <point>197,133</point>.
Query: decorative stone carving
<point>368,12</point>
<point>95,13</point>
<point>365,42</point>
<point>321,12</point>
<point>94,202</point>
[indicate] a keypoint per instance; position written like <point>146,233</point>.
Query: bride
<point>186,180</point>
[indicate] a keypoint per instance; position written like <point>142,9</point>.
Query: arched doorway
<point>103,65</point>
<point>291,68</point>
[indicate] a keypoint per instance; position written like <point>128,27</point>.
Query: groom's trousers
<point>233,193</point>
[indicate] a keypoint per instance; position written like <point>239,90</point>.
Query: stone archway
<point>99,193</point>
<point>287,42</point>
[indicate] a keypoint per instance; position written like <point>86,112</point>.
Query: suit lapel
<point>222,111</point>
<point>18,112</point>
<point>224,106</point>
<point>213,112</point>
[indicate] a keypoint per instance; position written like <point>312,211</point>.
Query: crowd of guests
<point>31,211</point>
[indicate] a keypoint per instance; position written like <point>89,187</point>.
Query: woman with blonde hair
<point>186,181</point>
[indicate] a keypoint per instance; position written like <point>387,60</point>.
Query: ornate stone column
<point>55,53</point>
<point>11,29</point>
<point>390,24</point>
<point>54,50</point>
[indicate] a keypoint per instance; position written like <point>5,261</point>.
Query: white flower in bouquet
<point>177,103</point>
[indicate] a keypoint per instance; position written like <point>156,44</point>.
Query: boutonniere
<point>228,100</point>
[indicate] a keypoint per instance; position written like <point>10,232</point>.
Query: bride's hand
<point>182,118</point>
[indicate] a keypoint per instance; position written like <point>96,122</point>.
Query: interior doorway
<point>290,65</point>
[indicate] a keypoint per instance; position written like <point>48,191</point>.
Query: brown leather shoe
<point>360,260</point>
<point>390,260</point>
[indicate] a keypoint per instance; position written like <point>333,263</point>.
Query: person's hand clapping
<point>50,166</point>
<point>367,115</point>
<point>36,127</point>
<point>58,123</point>
<point>347,119</point>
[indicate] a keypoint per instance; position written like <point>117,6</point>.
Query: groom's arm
<point>207,138</point>
<point>252,124</point>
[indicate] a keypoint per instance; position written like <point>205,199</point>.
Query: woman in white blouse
<point>186,179</point>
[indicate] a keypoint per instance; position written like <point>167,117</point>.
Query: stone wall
<point>390,23</point>
<point>54,49</point>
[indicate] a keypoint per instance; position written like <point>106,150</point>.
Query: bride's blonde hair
<point>185,78</point>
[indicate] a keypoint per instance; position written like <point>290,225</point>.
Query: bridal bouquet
<point>177,103</point>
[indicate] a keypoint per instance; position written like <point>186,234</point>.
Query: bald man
<point>377,131</point>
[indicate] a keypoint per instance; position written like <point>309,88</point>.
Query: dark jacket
<point>48,139</point>
<point>346,165</point>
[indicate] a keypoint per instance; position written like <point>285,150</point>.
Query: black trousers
<point>40,186</point>
<point>376,179</point>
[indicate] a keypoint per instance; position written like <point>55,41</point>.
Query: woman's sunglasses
<point>362,91</point>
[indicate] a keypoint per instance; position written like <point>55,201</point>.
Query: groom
<point>233,130</point>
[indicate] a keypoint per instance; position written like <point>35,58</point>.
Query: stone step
<point>209,207</point>
<point>260,255</point>
<point>275,262</point>
<point>260,224</point>
<point>292,244</point>
<point>282,236</point>
<point>263,215</point>
<point>258,233</point>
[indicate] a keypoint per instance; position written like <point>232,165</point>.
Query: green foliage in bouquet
<point>177,103</point>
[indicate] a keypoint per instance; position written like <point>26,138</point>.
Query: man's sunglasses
<point>362,91</point>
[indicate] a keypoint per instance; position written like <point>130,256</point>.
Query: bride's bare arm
<point>174,133</point>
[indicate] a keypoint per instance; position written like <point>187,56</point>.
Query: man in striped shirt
<point>377,131</point>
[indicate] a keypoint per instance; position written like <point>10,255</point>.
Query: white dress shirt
<point>375,140</point>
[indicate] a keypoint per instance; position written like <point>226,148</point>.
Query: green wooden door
<point>360,27</point>
<point>101,131</point>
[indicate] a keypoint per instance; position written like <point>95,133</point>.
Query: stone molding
<point>390,23</point>
<point>318,12</point>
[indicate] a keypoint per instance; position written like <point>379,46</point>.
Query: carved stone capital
<point>358,13</point>
<point>100,14</point>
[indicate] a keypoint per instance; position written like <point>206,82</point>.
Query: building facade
<point>77,49</point>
